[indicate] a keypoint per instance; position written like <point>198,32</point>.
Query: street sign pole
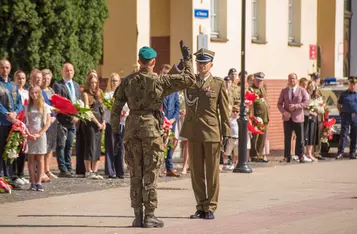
<point>242,166</point>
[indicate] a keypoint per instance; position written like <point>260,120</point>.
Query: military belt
<point>141,112</point>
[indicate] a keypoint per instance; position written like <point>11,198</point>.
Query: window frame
<point>214,18</point>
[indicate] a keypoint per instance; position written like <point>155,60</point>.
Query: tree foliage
<point>47,33</point>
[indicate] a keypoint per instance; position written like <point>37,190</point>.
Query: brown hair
<point>96,94</point>
<point>314,94</point>
<point>302,80</point>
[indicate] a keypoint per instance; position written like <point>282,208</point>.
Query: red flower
<point>253,129</point>
<point>260,95</point>
<point>63,105</point>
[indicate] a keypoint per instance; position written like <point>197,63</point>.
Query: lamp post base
<point>242,169</point>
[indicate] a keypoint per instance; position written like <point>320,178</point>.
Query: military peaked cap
<point>259,76</point>
<point>204,55</point>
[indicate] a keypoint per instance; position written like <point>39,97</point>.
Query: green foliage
<point>46,33</point>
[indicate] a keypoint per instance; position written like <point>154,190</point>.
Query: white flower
<point>13,154</point>
<point>80,103</point>
<point>260,120</point>
<point>108,96</point>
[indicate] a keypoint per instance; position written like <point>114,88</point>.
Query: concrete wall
<point>353,52</point>
<point>160,18</point>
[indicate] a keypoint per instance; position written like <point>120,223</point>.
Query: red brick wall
<point>275,128</point>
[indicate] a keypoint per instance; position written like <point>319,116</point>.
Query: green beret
<point>352,79</point>
<point>147,53</point>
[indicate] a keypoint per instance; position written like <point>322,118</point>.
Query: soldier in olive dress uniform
<point>347,106</point>
<point>259,109</point>
<point>144,92</point>
<point>206,122</point>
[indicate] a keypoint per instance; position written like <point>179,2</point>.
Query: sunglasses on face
<point>235,111</point>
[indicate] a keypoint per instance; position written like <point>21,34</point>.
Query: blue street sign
<point>201,13</point>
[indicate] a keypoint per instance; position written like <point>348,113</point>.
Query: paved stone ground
<point>65,186</point>
<point>296,198</point>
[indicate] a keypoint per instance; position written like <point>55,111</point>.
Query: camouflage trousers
<point>144,158</point>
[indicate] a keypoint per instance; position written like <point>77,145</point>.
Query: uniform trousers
<point>204,164</point>
<point>258,143</point>
<point>144,158</point>
<point>348,122</point>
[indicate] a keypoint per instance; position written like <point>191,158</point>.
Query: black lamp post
<point>242,166</point>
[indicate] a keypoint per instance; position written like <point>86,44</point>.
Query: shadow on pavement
<point>56,226</point>
<point>92,216</point>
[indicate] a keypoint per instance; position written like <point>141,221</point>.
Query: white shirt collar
<point>205,78</point>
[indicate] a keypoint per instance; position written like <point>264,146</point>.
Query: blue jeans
<point>64,147</point>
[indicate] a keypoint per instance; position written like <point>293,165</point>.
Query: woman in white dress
<point>38,120</point>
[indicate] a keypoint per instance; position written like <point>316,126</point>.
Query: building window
<point>258,21</point>
<point>294,22</point>
<point>214,18</point>
<point>290,21</point>
<point>218,19</point>
<point>255,35</point>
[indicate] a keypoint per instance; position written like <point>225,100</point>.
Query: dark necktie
<point>292,95</point>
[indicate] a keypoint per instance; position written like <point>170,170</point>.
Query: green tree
<point>46,33</point>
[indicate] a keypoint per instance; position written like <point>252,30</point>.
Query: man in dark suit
<point>291,104</point>
<point>69,89</point>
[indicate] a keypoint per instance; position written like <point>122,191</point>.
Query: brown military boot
<point>150,221</point>
<point>138,221</point>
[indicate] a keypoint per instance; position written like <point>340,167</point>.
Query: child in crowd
<point>38,120</point>
<point>232,146</point>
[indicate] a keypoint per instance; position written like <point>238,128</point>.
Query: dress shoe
<point>301,159</point>
<point>150,221</point>
<point>198,215</point>
<point>65,174</point>
<point>209,215</point>
<point>172,173</point>
<point>352,156</point>
<point>339,156</point>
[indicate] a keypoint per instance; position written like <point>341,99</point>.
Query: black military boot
<point>138,221</point>
<point>150,221</point>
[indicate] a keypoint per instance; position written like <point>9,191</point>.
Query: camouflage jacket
<point>144,92</point>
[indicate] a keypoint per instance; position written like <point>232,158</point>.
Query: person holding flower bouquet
<point>10,106</point>
<point>310,123</point>
<point>260,108</point>
<point>66,128</point>
<point>38,120</point>
<point>19,163</point>
<point>92,130</point>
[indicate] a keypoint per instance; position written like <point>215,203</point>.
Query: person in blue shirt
<point>10,106</point>
<point>347,106</point>
<point>171,105</point>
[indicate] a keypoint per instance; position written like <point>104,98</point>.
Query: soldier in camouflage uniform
<point>144,92</point>
<point>259,109</point>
